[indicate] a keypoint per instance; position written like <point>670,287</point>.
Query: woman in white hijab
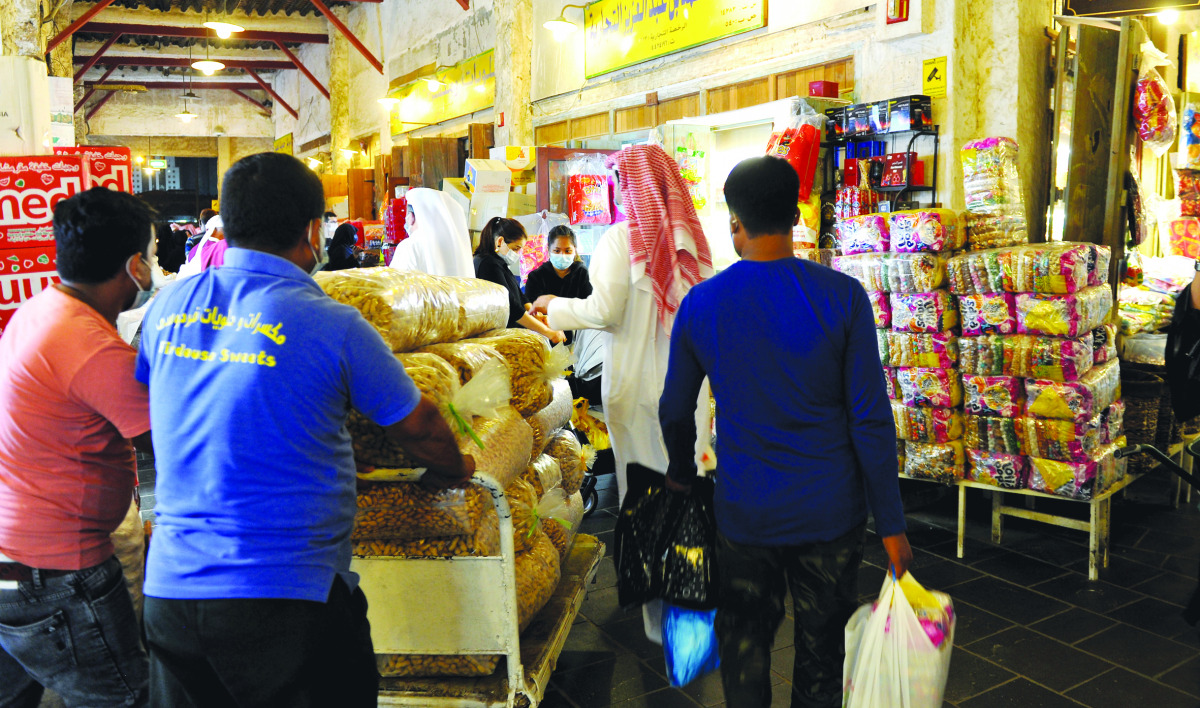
<point>438,241</point>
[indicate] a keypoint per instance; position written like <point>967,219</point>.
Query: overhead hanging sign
<point>451,92</point>
<point>284,144</point>
<point>621,33</point>
<point>1123,8</point>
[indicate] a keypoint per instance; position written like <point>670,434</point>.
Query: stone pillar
<point>514,71</point>
<point>224,159</point>
<point>21,31</point>
<point>339,94</point>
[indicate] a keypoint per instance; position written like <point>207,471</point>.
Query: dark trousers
<point>252,653</point>
<point>823,578</point>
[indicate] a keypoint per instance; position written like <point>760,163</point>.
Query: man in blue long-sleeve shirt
<point>805,441</point>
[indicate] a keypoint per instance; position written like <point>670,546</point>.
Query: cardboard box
<point>110,167</point>
<point>521,204</point>
<point>910,113</point>
<point>517,158</point>
<point>24,272</point>
<point>30,188</point>
<point>456,187</point>
<point>881,116</point>
<point>858,119</point>
<point>485,206</point>
<point>488,176</point>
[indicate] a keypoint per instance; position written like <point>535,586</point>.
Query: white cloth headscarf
<point>191,266</point>
<point>440,243</point>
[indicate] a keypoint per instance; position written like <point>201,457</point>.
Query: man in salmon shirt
<point>67,470</point>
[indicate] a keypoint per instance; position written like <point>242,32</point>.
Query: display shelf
<point>829,169</point>
<point>1097,525</point>
<point>468,606</point>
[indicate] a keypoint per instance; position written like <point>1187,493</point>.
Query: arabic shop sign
<point>1122,8</point>
<point>454,91</point>
<point>621,33</point>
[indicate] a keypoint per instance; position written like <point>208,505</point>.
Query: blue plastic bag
<point>689,643</point>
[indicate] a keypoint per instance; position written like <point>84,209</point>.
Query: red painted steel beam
<point>333,20</point>
<point>204,33</point>
<point>180,85</point>
<point>96,57</point>
<point>99,104</point>
<point>466,4</point>
<point>271,92</point>
<point>250,99</point>
<point>88,94</point>
<point>303,69</point>
<point>71,28</point>
<point>185,62</point>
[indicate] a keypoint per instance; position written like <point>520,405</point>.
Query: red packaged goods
<point>587,199</point>
<point>1153,107</point>
<point>24,272</point>
<point>1185,237</point>
<point>30,188</point>
<point>105,166</point>
<point>823,89</point>
<point>1187,190</point>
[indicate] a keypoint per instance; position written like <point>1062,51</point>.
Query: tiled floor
<point>1032,631</point>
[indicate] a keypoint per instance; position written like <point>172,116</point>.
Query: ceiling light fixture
<point>313,162</point>
<point>1168,17</point>
<point>206,65</point>
<point>560,25</point>
<point>434,83</point>
<point>224,30</point>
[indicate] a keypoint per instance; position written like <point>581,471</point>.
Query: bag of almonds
<point>404,510</point>
<point>522,503</point>
<point>484,542</point>
<point>553,417</point>
<point>534,365</point>
<point>564,447</point>
<point>544,474</point>
<point>466,357</point>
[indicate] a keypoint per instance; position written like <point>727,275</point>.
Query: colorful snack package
<point>1026,356</point>
<point>587,199</point>
<point>889,382</point>
<point>924,312</point>
<point>991,184</point>
<point>1074,480</point>
<point>1104,343</point>
<point>824,256</point>
<point>938,350</point>
<point>926,230</point>
<point>882,338</point>
<point>1112,423</point>
<point>1052,268</point>
<point>991,434</point>
<point>1063,315</point>
<point>988,314</point>
<point>866,268</point>
<point>1063,440</point>
<point>914,272</point>
<point>1075,400</point>
<point>982,272</point>
<point>996,230</point>
<point>863,234</point>
<point>1099,260</point>
<point>931,425</point>
<point>881,307</point>
<point>944,462</point>
<point>993,395</point>
<point>1001,469</point>
<point>929,388</point>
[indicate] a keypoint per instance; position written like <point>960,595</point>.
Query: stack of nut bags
<point>992,188</point>
<point>1042,401</point>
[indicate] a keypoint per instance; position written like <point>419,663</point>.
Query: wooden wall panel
<point>680,107</point>
<point>482,138</point>
<point>335,186</point>
<point>795,83</point>
<point>552,134</point>
<point>634,118</point>
<point>591,126</point>
<point>430,160</point>
<point>739,95</point>
<point>362,193</point>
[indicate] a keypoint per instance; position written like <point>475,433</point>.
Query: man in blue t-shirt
<point>252,370</point>
<point>805,441</point>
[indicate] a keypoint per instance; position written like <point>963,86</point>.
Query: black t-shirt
<point>492,268</point>
<point>544,280</point>
<point>1183,357</point>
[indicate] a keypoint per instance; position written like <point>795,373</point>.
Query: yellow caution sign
<point>933,77</point>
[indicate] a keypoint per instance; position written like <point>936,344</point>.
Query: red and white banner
<point>105,166</point>
<point>24,272</point>
<point>30,188</point>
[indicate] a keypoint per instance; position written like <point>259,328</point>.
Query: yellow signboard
<point>284,144</point>
<point>454,91</point>
<point>621,33</point>
<point>933,77</point>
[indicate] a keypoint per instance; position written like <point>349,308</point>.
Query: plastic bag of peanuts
<point>466,357</point>
<point>411,309</point>
<point>560,515</point>
<point>435,666</point>
<point>533,364</point>
<point>484,542</point>
<point>544,474</point>
<point>523,504</point>
<point>438,381</point>
<point>564,447</point>
<point>404,510</point>
<point>553,417</point>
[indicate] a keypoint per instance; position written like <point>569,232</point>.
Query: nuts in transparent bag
<point>522,503</point>
<point>552,417</point>
<point>466,357</point>
<point>527,354</point>
<point>405,510</point>
<point>564,447</point>
<point>544,474</point>
<point>507,442</point>
<point>944,462</point>
<point>435,665</point>
<point>484,542</point>
<point>436,380</point>
<point>538,572</point>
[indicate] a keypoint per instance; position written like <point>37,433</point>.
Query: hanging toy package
<point>588,200</point>
<point>1153,107</point>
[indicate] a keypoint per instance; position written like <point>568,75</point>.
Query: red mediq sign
<point>105,166</point>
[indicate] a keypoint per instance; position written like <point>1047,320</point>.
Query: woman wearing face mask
<point>564,275</point>
<point>343,253</point>
<point>498,253</point>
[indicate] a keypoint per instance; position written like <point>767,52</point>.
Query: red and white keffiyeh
<point>665,237</point>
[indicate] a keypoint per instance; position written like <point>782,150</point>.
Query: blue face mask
<point>561,261</point>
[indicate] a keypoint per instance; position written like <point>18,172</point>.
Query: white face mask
<point>322,257</point>
<point>156,277</point>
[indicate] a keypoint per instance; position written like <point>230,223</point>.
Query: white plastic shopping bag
<point>898,648</point>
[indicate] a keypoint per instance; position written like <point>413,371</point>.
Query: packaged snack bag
<point>924,230</point>
<point>1027,356</point>
<point>864,234</point>
<point>988,314</point>
<point>929,388</point>
<point>1075,400</point>
<point>999,468</point>
<point>993,395</point>
<point>881,307</point>
<point>944,462</point>
<point>1068,316</point>
<point>931,425</point>
<point>924,312</point>
<point>938,350</point>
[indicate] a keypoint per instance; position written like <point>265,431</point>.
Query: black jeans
<point>285,653</point>
<point>823,578</point>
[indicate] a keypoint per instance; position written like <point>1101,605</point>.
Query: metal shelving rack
<point>830,171</point>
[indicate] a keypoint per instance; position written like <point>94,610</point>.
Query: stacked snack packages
<point>900,259</point>
<point>995,209</point>
<point>1041,384</point>
<point>501,391</point>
